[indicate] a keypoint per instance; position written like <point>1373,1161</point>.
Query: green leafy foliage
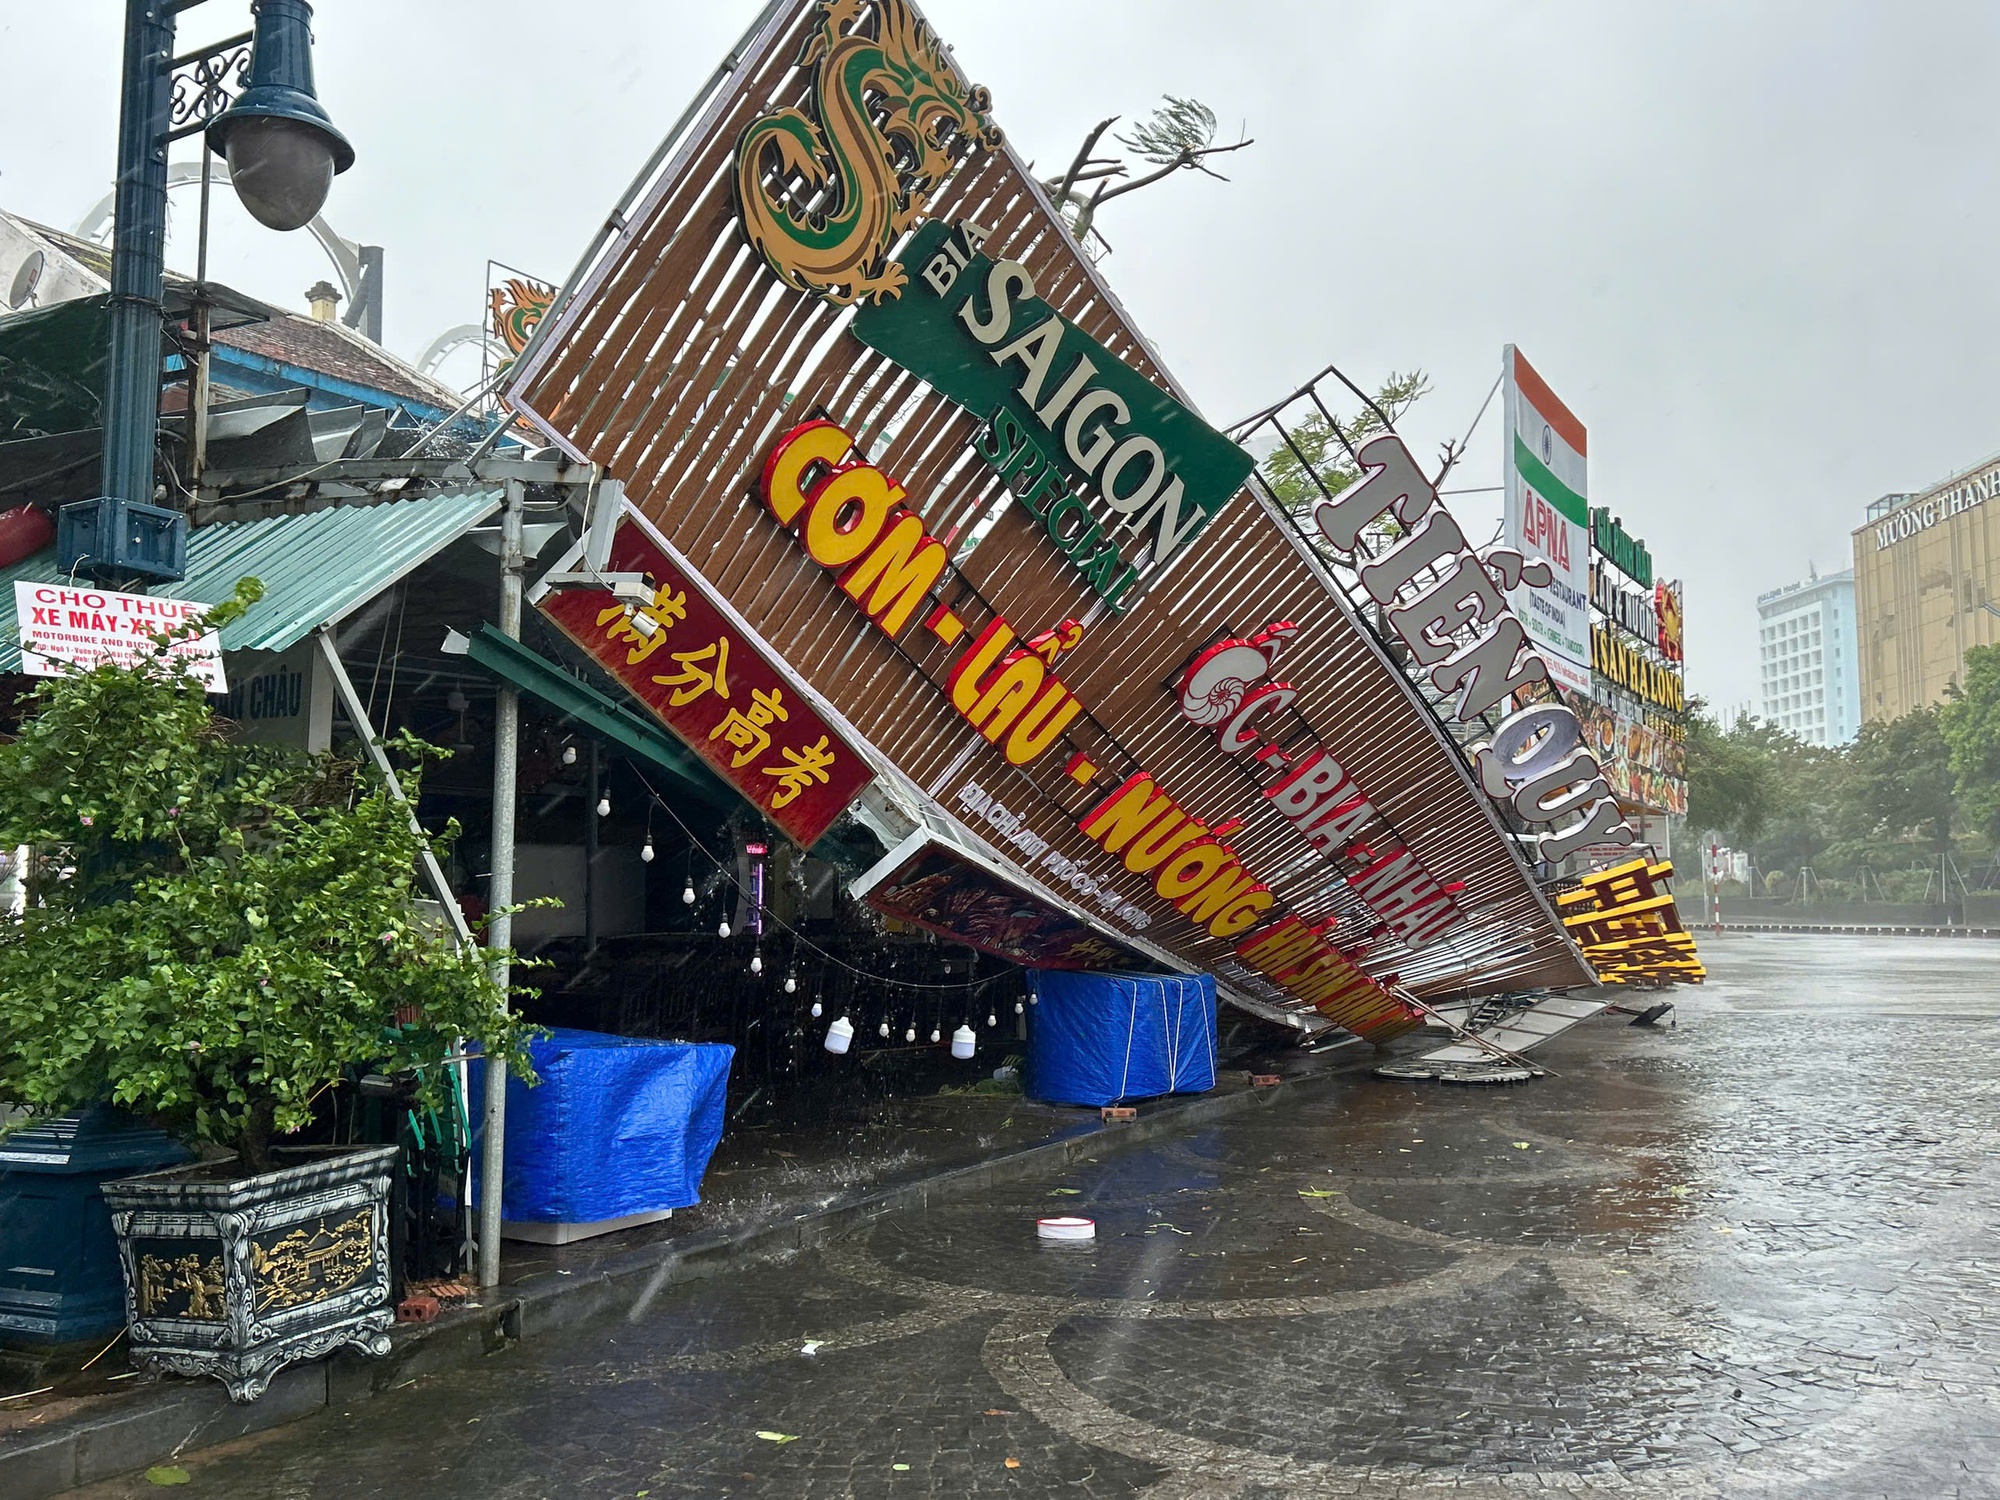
<point>1315,465</point>
<point>1868,818</point>
<point>1902,779</point>
<point>1732,780</point>
<point>1176,128</point>
<point>216,932</point>
<point>1970,725</point>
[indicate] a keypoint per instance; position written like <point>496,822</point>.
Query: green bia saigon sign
<point>1116,471</point>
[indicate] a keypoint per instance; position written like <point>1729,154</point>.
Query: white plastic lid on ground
<point>1066,1229</point>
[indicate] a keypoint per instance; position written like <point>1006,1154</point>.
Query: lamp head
<point>282,149</point>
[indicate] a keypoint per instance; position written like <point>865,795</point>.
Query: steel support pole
<point>138,252</point>
<point>203,326</point>
<point>590,821</point>
<point>500,885</point>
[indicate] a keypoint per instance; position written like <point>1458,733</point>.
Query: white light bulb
<point>687,894</point>
<point>604,807</point>
<point>791,984</point>
<point>991,1019</point>
<point>815,1010</point>
<point>936,1035</point>
<point>910,1035</point>
<point>647,852</point>
<point>569,755</point>
<point>1019,1007</point>
<point>756,963</point>
<point>722,928</point>
<point>882,1030</point>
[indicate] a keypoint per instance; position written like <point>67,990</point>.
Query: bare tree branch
<point>1187,159</point>
<point>1178,136</point>
<point>1068,181</point>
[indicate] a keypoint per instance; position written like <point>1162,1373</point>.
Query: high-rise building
<point>1808,659</point>
<point>1926,578</point>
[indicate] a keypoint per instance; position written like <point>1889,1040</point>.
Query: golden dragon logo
<point>516,306</point>
<point>823,192</point>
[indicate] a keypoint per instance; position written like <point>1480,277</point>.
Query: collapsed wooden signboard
<point>712,325</point>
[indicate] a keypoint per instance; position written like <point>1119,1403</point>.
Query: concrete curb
<point>1858,929</point>
<point>165,1421</point>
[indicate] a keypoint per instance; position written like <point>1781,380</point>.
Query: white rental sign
<point>85,627</point>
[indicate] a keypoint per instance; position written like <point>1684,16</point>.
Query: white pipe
<point>500,887</point>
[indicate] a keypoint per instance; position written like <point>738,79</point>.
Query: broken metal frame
<point>1342,579</point>
<point>1464,1034</point>
<point>293,489</point>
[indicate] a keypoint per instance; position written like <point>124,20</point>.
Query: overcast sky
<point>1751,245</point>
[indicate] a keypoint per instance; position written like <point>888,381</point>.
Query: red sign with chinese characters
<point>684,659</point>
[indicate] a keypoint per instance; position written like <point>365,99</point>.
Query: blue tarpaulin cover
<point>618,1125</point>
<point>1099,1038</point>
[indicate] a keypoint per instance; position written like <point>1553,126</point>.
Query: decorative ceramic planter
<point>239,1278</point>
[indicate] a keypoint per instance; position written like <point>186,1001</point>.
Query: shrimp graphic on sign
<point>1220,689</point>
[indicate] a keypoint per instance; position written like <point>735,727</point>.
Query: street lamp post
<point>283,153</point>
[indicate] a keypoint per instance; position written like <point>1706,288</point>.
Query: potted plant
<point>216,933</point>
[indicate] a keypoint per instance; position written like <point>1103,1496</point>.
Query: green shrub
<point>215,932</point>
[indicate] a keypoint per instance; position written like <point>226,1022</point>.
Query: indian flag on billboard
<point>1548,516</point>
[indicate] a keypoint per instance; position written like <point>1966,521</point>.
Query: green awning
<point>316,569</point>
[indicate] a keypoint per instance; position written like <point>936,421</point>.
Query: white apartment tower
<point>1809,668</point>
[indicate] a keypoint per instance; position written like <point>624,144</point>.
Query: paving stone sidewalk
<point>1755,1256</point>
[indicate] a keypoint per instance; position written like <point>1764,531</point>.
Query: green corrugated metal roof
<point>315,568</point>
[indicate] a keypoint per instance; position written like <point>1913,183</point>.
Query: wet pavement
<point>1754,1256</point>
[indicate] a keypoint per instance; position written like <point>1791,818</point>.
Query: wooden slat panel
<point>690,358</point>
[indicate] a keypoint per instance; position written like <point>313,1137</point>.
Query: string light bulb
<point>991,1019</point>
<point>604,807</point>
<point>791,983</point>
<point>569,755</point>
<point>815,1010</point>
<point>882,1030</point>
<point>936,1035</point>
<point>687,892</point>
<point>646,851</point>
<point>964,1042</point>
<point>910,1034</point>
<point>722,928</point>
<point>757,962</point>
